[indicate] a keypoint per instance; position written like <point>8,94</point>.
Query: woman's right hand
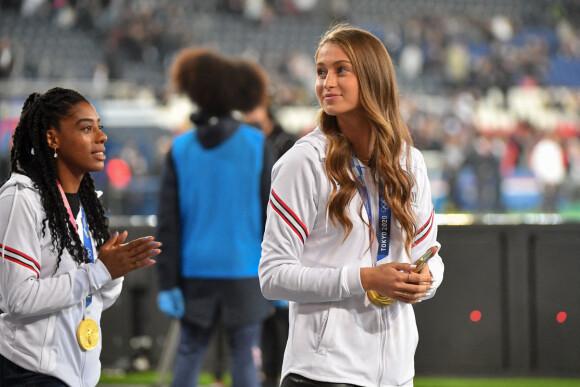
<point>397,281</point>
<point>122,258</point>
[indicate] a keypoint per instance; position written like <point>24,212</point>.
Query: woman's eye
<point>88,128</point>
<point>320,73</point>
<point>342,69</point>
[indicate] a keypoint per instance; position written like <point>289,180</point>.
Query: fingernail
<point>155,251</point>
<point>413,266</point>
<point>151,243</point>
<point>428,293</point>
<point>116,234</point>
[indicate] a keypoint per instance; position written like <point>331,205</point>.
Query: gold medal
<point>88,334</point>
<point>378,299</point>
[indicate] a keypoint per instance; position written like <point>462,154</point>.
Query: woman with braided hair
<point>59,265</point>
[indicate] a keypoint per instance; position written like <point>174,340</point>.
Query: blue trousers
<point>12,375</point>
<point>193,344</point>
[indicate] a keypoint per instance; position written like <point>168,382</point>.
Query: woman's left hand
<point>122,258</point>
<point>415,283</point>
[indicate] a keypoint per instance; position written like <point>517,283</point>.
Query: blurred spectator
<point>548,164</point>
<point>304,6</point>
<point>338,11</point>
<point>263,117</point>
<point>301,69</point>
<point>518,149</point>
<point>101,79</point>
<point>254,9</point>
<point>484,165</point>
<point>573,183</point>
<point>30,8</point>
<point>411,61</point>
<point>134,158</point>
<point>64,14</point>
<point>6,57</point>
<point>457,63</point>
<point>453,152</point>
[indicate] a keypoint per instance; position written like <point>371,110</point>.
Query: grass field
<point>495,382</point>
<point>150,378</point>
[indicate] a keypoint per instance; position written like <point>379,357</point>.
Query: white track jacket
<point>336,334</point>
<point>42,305</point>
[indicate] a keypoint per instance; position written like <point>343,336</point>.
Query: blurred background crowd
<point>490,88</point>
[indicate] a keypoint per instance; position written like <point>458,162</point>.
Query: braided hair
<point>31,156</point>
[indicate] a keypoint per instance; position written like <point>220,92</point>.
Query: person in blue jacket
<point>211,217</point>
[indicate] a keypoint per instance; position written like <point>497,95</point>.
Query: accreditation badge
<point>88,334</point>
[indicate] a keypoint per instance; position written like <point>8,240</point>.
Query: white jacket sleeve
<point>426,235</point>
<point>28,283</point>
<point>292,212</point>
<point>110,291</point>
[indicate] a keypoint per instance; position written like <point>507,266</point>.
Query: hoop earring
<point>55,154</point>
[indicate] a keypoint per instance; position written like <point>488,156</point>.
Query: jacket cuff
<point>353,281</point>
<point>98,275</point>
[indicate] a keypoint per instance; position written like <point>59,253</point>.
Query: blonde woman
<point>350,212</point>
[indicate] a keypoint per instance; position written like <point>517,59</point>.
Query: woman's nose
<point>102,136</point>
<point>330,80</point>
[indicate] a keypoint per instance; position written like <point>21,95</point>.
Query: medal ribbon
<point>87,242</point>
<point>71,217</point>
<point>384,226</point>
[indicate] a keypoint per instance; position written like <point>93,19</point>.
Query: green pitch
<point>150,379</point>
<point>495,382</point>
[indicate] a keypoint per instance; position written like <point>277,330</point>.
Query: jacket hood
<point>19,182</point>
<point>316,139</point>
<point>17,179</point>
<point>211,131</point>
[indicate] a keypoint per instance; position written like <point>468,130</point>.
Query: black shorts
<point>12,375</point>
<point>295,380</point>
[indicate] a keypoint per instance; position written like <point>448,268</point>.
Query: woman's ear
<point>52,138</point>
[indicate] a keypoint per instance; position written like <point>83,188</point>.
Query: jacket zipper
<point>44,350</point>
<point>83,355</point>
<point>383,331</point>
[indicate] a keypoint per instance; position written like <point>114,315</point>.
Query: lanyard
<point>384,226</point>
<point>87,242</point>
<point>71,217</point>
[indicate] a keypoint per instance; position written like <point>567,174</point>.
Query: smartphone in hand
<point>424,259</point>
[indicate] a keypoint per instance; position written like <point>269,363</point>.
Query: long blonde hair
<point>379,100</point>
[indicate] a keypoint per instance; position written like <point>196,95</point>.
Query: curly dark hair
<point>218,85</point>
<point>31,156</point>
<point>251,82</point>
